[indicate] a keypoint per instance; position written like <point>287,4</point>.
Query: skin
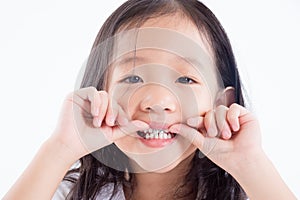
<point>238,150</point>
<point>157,102</point>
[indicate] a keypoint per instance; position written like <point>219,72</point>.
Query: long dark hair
<point>208,180</point>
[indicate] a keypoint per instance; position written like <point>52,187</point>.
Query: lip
<point>157,143</point>
<point>159,125</point>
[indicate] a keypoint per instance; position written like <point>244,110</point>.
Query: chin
<point>146,165</point>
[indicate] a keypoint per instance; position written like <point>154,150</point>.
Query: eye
<point>185,80</point>
<point>132,79</point>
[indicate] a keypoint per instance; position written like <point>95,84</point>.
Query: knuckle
<point>221,108</point>
<point>103,94</point>
<point>235,106</point>
<point>231,117</point>
<point>70,95</point>
<point>91,88</point>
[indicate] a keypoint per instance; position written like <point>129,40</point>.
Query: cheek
<point>204,99</point>
<point>190,101</point>
<point>122,94</point>
<point>126,144</point>
<point>195,101</point>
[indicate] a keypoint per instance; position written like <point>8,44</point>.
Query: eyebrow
<point>195,63</point>
<point>131,59</point>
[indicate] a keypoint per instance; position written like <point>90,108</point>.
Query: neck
<point>163,185</point>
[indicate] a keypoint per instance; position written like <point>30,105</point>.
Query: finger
<point>130,128</point>
<point>92,138</point>
<point>221,119</point>
<point>234,115</point>
<point>122,119</point>
<point>196,122</point>
<point>89,94</point>
<point>194,136</point>
<point>210,147</point>
<point>111,113</point>
<point>102,108</point>
<point>210,124</point>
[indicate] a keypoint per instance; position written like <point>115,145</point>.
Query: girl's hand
<point>88,122</point>
<point>238,136</point>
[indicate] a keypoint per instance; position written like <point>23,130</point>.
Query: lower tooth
<point>150,136</point>
<point>147,136</point>
<point>165,136</point>
<point>161,136</point>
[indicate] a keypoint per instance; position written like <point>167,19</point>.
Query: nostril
<point>157,108</point>
<point>167,109</point>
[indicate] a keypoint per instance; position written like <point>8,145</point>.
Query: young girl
<point>150,124</point>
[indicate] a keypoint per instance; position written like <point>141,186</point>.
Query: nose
<point>158,99</point>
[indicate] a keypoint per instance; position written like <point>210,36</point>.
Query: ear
<point>226,97</point>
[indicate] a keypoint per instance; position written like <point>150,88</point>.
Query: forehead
<point>155,56</point>
<point>181,24</point>
<point>163,46</point>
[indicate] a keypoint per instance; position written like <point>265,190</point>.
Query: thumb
<point>191,134</point>
<point>207,145</point>
<point>129,129</point>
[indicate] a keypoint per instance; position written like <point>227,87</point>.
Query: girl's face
<point>162,88</point>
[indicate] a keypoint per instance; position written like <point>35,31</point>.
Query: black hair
<point>209,180</point>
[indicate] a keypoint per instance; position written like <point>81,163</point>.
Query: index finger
<point>130,129</point>
<point>196,122</point>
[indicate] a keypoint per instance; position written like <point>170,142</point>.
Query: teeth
<point>151,136</point>
<point>147,136</point>
<point>156,134</point>
<point>161,136</point>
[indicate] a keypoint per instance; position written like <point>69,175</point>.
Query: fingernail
<point>211,131</point>
<point>226,134</point>
<point>174,129</point>
<point>235,127</point>
<point>99,122</point>
<point>111,120</point>
<point>140,124</point>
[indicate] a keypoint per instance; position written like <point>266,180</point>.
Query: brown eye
<point>185,80</point>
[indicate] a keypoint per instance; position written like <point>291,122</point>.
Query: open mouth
<point>150,134</point>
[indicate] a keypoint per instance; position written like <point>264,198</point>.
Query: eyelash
<point>137,79</point>
<point>187,79</point>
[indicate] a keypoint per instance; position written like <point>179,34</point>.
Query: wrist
<point>250,163</point>
<point>259,178</point>
<point>59,152</point>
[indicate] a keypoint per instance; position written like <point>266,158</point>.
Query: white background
<point>44,43</point>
